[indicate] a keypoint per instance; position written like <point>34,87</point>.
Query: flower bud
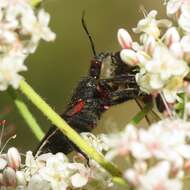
<point>171,36</point>
<point>9,177</point>
<point>13,157</point>
<point>129,57</point>
<point>124,39</point>
<point>20,178</point>
<point>150,45</point>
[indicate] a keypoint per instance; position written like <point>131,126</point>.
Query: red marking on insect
<point>77,108</point>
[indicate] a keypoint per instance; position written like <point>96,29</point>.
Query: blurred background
<point>55,68</point>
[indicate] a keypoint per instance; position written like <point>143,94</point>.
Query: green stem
<point>35,2</point>
<point>26,114</point>
<point>119,181</point>
<point>141,114</point>
<point>27,90</point>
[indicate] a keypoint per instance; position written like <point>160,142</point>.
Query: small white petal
<point>78,180</point>
<point>185,43</point>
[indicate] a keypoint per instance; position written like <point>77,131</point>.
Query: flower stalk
<point>141,114</point>
<point>35,2</point>
<point>26,114</point>
<point>27,90</point>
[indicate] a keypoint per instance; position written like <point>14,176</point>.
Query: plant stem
<point>120,182</point>
<point>35,2</point>
<point>27,90</point>
<point>141,114</point>
<point>26,114</point>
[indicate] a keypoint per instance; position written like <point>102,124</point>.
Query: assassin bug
<point>94,94</point>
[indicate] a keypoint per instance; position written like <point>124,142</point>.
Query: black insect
<point>109,82</point>
<point>92,97</point>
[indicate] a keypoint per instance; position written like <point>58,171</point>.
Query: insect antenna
<point>88,34</point>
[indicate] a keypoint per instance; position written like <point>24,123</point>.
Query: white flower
<point>150,25</point>
<point>15,9</point>
<point>41,30</point>
<point>180,8</point>
<point>31,165</point>
<point>21,28</point>
<point>162,56</point>
<point>174,6</point>
<point>120,144</point>
<point>158,178</point>
<point>60,173</point>
<point>184,18</point>
<point>165,64</point>
<point>164,71</point>
<point>6,36</point>
<point>36,182</point>
<point>9,68</point>
<point>80,176</point>
<point>55,172</point>
<point>21,181</point>
<point>78,180</point>
<point>100,143</point>
<point>153,143</point>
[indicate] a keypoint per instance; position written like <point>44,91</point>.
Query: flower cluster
<point>49,171</point>
<point>180,11</point>
<point>21,28</point>
<point>55,172</point>
<point>163,54</point>
<point>157,157</point>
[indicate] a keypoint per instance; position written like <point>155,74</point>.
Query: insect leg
<point>123,95</point>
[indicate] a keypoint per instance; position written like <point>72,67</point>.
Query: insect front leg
<point>123,95</point>
<point>112,86</point>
